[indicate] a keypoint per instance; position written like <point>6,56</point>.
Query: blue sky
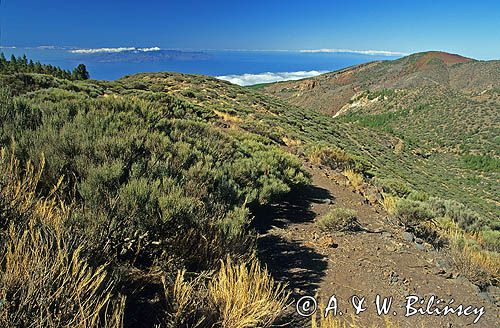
<point>471,28</point>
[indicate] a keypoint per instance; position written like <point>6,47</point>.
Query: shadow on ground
<point>293,209</point>
<point>290,261</point>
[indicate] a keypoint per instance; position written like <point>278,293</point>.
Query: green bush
<point>418,196</point>
<point>339,219</point>
<point>465,218</point>
<point>491,239</point>
<point>393,186</point>
<point>411,213</point>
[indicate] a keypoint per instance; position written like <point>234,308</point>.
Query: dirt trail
<point>360,263</point>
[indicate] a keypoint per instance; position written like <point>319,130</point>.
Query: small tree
<point>81,73</point>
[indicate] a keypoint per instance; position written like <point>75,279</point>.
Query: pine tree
<point>31,66</point>
<point>3,62</point>
<point>81,73</point>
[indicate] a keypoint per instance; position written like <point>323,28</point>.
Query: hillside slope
<point>329,92</point>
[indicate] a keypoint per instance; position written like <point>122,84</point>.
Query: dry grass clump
<point>355,179</point>
<point>389,203</point>
<point>245,295</point>
<point>330,156</point>
<point>238,295</point>
<point>339,219</point>
<point>187,306</point>
<point>44,279</point>
<point>480,266</point>
<point>44,283</point>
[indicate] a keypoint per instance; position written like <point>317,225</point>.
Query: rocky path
<point>389,262</point>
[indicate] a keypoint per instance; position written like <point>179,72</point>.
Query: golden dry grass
<point>44,279</point>
<point>355,179</point>
<point>244,295</point>
<point>478,265</point>
<point>389,203</point>
<point>185,302</point>
<point>333,157</point>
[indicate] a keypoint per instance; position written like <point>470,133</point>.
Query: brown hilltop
<point>330,92</point>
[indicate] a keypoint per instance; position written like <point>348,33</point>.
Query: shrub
<point>491,240</point>
<point>479,266</point>
<point>459,213</point>
<point>412,213</point>
<point>333,157</point>
<point>389,203</point>
<point>393,186</point>
<point>339,219</point>
<point>418,196</point>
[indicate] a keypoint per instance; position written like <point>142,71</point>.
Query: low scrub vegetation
<point>412,213</point>
<point>332,157</point>
<point>338,219</point>
<point>471,242</point>
<point>45,279</point>
<point>135,187</point>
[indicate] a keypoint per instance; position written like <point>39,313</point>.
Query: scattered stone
<point>420,247</point>
<point>440,271</point>
<point>419,240</point>
<point>441,263</point>
<point>408,236</point>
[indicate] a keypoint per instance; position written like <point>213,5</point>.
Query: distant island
<point>140,55</point>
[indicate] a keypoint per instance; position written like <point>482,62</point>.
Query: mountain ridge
<point>329,92</point>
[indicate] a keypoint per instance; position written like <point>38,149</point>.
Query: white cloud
<point>363,52</point>
<point>47,47</point>
<point>7,47</point>
<point>250,79</point>
<point>112,50</point>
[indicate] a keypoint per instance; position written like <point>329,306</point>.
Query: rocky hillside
<point>329,92</point>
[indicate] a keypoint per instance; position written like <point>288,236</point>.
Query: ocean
<point>241,67</point>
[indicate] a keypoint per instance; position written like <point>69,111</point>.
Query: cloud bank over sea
<point>361,52</point>
<point>113,50</point>
<point>268,77</point>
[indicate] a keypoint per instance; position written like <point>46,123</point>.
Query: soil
<point>381,260</point>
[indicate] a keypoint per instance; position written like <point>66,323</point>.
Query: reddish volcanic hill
<point>330,92</point>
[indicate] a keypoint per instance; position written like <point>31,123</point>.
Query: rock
<point>419,240</point>
<point>408,236</point>
<point>440,271</point>
<point>420,247</point>
<point>386,234</point>
<point>441,263</point>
